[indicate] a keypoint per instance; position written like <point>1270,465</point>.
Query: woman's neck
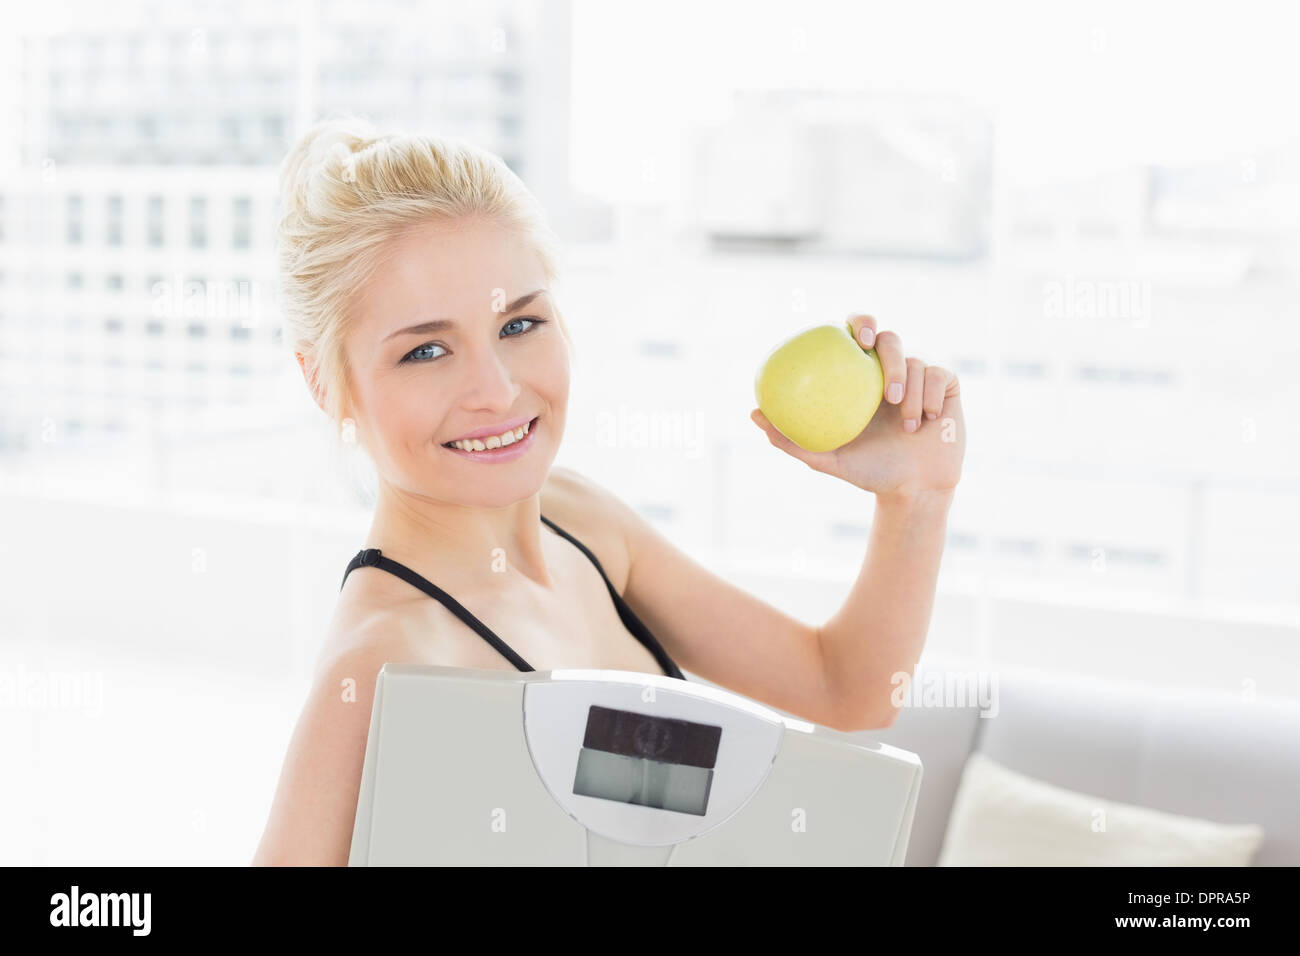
<point>491,545</point>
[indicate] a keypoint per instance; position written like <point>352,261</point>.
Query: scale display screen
<point>648,761</point>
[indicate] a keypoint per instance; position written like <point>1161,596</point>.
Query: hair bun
<point>326,148</point>
<point>347,160</point>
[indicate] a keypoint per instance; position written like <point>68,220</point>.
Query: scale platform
<point>481,767</point>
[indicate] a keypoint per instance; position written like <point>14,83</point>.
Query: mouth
<point>502,452</point>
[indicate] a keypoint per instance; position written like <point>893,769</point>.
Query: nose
<point>490,384</point>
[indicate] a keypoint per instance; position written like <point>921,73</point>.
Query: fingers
<point>914,395</point>
<point>864,329</point>
<point>936,389</point>
<point>889,349</point>
<point>918,389</point>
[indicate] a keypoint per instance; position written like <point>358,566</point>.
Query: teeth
<point>493,441</point>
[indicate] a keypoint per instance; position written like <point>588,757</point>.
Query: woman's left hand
<point>916,440</point>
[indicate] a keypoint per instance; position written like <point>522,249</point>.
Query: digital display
<point>658,762</point>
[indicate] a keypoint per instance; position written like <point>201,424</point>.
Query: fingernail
<point>931,415</point>
<point>896,393</point>
<point>909,424</point>
<point>866,336</point>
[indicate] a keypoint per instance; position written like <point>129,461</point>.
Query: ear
<point>309,372</point>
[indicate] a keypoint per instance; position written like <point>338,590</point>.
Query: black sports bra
<point>372,558</point>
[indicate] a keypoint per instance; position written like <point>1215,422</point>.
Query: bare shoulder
<point>594,515</point>
<point>314,807</point>
<point>376,615</point>
<point>585,503</point>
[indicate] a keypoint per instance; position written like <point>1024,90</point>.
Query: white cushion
<point>1003,818</point>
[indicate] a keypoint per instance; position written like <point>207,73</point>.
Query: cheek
<point>400,417</point>
<point>558,371</point>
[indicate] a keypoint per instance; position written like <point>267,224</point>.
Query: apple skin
<point>820,388</point>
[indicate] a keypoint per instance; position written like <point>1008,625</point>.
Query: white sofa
<point>1223,758</point>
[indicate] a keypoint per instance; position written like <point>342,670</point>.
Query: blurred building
<point>891,174</point>
<point>1125,342</point>
<point>1143,329</point>
<point>1237,215</point>
<point>136,236</point>
<point>1126,349</point>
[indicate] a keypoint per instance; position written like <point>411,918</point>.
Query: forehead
<point>443,270</point>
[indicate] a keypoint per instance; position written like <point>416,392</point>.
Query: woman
<point>416,282</point>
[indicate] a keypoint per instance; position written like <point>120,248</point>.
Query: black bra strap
<point>373,558</point>
<point>625,613</point>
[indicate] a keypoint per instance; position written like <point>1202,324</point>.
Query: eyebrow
<point>439,325</point>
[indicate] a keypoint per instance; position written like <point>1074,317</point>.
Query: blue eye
<point>513,321</point>
<point>410,357</point>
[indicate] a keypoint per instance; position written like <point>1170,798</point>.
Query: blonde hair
<point>345,191</point>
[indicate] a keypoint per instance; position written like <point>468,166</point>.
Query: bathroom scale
<point>482,767</point>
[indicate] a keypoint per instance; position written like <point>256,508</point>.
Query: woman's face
<point>481,355</point>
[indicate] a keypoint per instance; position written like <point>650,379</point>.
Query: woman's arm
<point>839,675</point>
<point>315,803</point>
<point>882,626</point>
<point>910,457</point>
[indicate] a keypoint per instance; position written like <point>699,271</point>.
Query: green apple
<point>820,387</point>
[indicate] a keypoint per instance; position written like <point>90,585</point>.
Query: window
<point>198,222</point>
<point>73,210</point>
<point>241,222</point>
<point>154,222</point>
<point>1026,369</point>
<point>1125,376</point>
<point>1088,553</point>
<point>113,220</point>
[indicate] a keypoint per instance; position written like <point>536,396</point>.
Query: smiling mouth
<point>531,425</point>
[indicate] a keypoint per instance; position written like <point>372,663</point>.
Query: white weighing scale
<point>480,767</point>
